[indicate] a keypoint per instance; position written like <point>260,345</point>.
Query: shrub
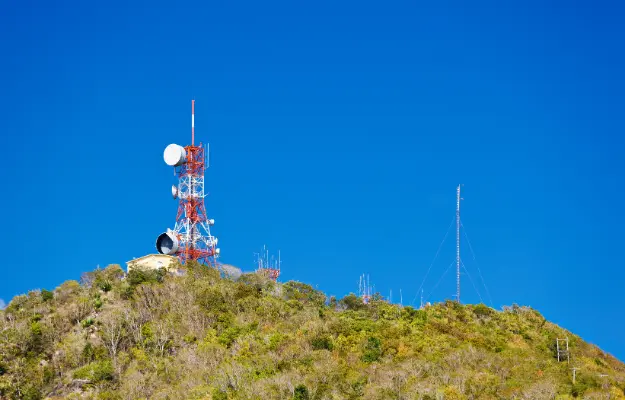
<point>96,372</point>
<point>97,303</point>
<point>322,343</point>
<point>47,295</point>
<point>482,310</point>
<point>352,302</point>
<point>243,290</point>
<point>304,293</point>
<point>373,350</point>
<point>105,286</point>
<point>228,336</point>
<point>87,322</point>
<point>219,395</point>
<point>301,393</point>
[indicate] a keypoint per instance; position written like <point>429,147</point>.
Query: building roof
<point>151,256</point>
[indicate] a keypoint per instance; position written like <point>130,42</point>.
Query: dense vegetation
<point>196,335</point>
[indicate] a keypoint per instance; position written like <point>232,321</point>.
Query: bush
<point>322,343</point>
<point>219,395</point>
<point>96,372</point>
<point>482,310</point>
<point>352,302</point>
<point>373,350</point>
<point>31,393</point>
<point>138,276</point>
<point>47,295</point>
<point>228,336</point>
<point>301,393</point>
<point>243,290</point>
<point>303,293</point>
<point>105,286</point>
<point>87,322</point>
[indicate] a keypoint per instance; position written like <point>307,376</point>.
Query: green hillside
<point>152,335</point>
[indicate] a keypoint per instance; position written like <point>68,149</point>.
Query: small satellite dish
<point>217,251</point>
<point>211,222</point>
<point>175,155</point>
<point>174,191</point>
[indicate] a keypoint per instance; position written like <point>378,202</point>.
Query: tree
<point>113,332</point>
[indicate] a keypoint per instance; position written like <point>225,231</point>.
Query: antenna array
<point>268,266</point>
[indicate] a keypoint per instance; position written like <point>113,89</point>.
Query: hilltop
<point>196,335</point>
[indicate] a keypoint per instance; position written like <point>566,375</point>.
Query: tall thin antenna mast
<point>458,244</point>
<point>192,122</point>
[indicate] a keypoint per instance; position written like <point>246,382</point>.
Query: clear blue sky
<point>338,132</point>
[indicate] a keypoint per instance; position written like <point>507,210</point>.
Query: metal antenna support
<point>458,244</point>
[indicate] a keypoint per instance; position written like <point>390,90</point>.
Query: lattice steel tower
<point>191,238</point>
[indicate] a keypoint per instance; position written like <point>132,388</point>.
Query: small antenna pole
<point>401,299</point>
<point>192,122</point>
<point>458,244</point>
<point>575,369</point>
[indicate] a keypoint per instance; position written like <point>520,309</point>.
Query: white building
<point>152,261</point>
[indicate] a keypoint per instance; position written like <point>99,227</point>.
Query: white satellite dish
<point>217,251</point>
<point>211,222</point>
<point>174,191</point>
<point>175,155</point>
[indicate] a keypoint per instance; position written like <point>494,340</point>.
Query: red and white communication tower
<point>269,267</point>
<point>191,238</point>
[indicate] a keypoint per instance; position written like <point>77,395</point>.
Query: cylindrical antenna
<point>192,122</point>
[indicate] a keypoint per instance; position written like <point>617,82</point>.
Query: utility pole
<point>575,369</point>
<point>458,244</point>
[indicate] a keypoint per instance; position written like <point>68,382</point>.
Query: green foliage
<point>198,336</point>
<point>301,393</point>
<point>47,295</point>
<point>352,302</point>
<point>138,276</point>
<point>373,350</point>
<point>31,392</point>
<point>303,293</point>
<point>105,285</point>
<point>219,395</point>
<point>229,335</point>
<point>322,343</point>
<point>96,372</point>
<point>97,303</point>
<point>482,310</point>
